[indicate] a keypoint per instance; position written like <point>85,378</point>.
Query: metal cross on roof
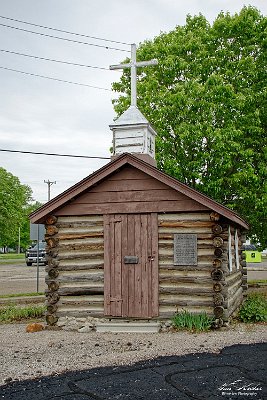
<point>133,65</point>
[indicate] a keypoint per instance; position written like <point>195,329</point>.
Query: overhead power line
<point>52,154</point>
<point>61,38</point>
<point>53,60</point>
<point>64,31</point>
<point>55,79</point>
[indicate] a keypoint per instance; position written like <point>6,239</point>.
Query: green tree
<point>207,100</point>
<point>14,203</point>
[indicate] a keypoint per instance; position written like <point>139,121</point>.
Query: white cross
<point>133,65</point>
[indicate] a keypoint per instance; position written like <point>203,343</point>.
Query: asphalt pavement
<point>237,372</point>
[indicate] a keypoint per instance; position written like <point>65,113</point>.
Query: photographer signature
<point>239,386</point>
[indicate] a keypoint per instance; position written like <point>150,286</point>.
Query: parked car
<point>31,254</point>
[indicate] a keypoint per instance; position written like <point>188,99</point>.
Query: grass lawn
<point>12,256</point>
<point>7,296</point>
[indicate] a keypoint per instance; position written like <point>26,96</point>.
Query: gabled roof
<point>40,215</point>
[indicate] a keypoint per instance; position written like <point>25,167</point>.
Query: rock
<point>85,329</point>
<point>34,327</point>
<point>62,321</point>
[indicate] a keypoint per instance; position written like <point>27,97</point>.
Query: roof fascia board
<point>115,164</point>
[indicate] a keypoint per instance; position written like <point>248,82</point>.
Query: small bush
<point>193,322</point>
<point>14,313</point>
<point>254,309</point>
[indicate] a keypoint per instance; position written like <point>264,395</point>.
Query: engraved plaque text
<point>185,249</point>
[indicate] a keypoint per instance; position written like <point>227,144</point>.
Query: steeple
<point>132,133</point>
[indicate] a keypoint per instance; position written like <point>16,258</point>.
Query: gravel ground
<point>29,355</point>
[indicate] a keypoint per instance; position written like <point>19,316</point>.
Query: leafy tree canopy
<point>14,207</point>
<point>207,100</point>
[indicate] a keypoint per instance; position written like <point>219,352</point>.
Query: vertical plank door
<point>131,289</point>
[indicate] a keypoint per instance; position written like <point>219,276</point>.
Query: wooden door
<point>131,265</point>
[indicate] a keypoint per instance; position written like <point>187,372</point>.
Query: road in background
<point>18,278</point>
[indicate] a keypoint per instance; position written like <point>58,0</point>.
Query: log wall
<point>75,271</point>
<point>185,287</point>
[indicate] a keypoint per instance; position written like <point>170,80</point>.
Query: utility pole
<point>49,184</point>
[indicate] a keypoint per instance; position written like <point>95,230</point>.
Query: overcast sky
<point>37,114</point>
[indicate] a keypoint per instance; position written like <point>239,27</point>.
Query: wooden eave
<point>62,199</point>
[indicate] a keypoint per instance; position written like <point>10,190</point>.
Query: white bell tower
<point>132,133</point>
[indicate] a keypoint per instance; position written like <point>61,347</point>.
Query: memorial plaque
<point>185,249</point>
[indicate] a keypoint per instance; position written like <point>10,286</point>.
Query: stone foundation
<point>88,324</point>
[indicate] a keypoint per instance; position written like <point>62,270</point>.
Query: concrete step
<point>128,326</point>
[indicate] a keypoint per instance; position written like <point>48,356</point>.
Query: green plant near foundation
<point>13,313</point>
<point>193,322</point>
<point>254,309</point>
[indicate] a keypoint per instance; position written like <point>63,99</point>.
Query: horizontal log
<point>81,248</point>
<point>185,224</point>
<point>182,303</point>
<point>81,255</point>
<point>170,236</point>
<point>176,273</point>
<point>88,307</point>
<point>169,258</point>
<point>231,279</point>
<point>172,310</point>
<point>75,291</point>
<point>234,296</point>
<point>193,216</point>
<point>169,230</point>
<point>81,278</point>
<point>82,300</point>
<point>81,267</point>
<point>199,267</point>
<point>184,279</point>
<point>71,236</point>
<point>234,289</point>
<point>79,220</point>
<point>235,304</point>
<point>184,290</point>
<point>83,241</point>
